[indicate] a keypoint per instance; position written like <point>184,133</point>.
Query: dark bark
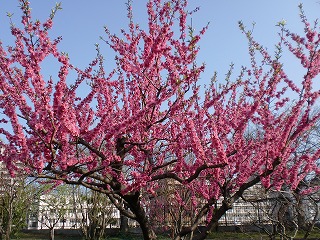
<point>141,217</point>
<point>214,221</point>
<point>124,223</point>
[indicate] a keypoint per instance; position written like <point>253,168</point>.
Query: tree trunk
<point>124,223</point>
<point>9,220</point>
<point>141,217</point>
<point>133,199</point>
<point>1,232</point>
<point>148,233</point>
<point>8,230</point>
<point>214,221</point>
<point>51,233</point>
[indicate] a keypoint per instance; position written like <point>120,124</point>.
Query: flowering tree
<point>146,121</point>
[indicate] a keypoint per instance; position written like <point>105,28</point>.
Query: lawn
<point>315,235</point>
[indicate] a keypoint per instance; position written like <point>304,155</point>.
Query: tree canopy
<point>146,121</point>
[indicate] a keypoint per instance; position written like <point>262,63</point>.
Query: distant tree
<point>285,213</point>
<point>15,198</point>
<point>96,213</point>
<point>53,205</point>
<point>307,206</point>
<point>147,120</point>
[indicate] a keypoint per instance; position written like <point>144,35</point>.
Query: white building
<point>67,211</point>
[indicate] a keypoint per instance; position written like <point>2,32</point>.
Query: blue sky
<point>81,24</point>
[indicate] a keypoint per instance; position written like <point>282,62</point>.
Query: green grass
<point>212,236</point>
<point>256,236</point>
<point>30,236</point>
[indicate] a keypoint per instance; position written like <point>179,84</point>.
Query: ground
<point>213,236</point>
